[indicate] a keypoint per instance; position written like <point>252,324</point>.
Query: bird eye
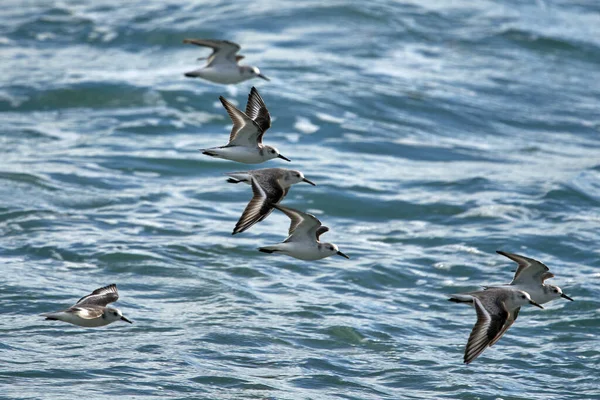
<point>555,290</point>
<point>272,151</point>
<point>115,313</point>
<point>523,296</point>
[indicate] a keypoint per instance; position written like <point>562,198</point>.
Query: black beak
<point>285,158</point>
<point>126,320</point>
<point>264,77</point>
<point>307,181</point>
<point>339,253</point>
<point>564,296</point>
<point>535,304</point>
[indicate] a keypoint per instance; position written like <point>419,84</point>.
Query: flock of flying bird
<point>497,307</point>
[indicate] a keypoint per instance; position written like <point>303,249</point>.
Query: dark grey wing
<point>512,317</point>
<point>257,111</point>
<point>86,312</point>
<point>100,297</point>
<point>529,270</point>
<point>257,209</point>
<point>245,131</point>
<point>486,328</point>
<point>303,226</point>
<point>295,217</point>
<point>223,50</point>
<point>321,230</point>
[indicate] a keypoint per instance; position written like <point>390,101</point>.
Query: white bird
<point>497,309</point>
<point>222,65</point>
<point>91,311</point>
<point>530,277</point>
<point>245,141</point>
<point>269,186</point>
<point>303,240</point>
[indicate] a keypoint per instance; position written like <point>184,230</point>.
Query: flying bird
<point>530,277</point>
<point>270,187</point>
<point>497,309</point>
<point>222,65</point>
<point>303,240</point>
<point>91,311</point>
<point>245,141</point>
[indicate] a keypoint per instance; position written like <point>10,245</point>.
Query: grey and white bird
<point>497,309</point>
<point>269,186</point>
<point>303,240</point>
<point>91,311</point>
<point>530,277</point>
<point>245,141</point>
<point>222,65</point>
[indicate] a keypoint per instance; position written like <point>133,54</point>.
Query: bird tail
<point>209,152</point>
<point>237,177</point>
<point>50,316</point>
<point>268,249</point>
<point>192,74</point>
<point>461,298</point>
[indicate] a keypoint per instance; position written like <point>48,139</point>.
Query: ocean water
<point>437,132</point>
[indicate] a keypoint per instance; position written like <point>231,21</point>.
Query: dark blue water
<point>437,132</point>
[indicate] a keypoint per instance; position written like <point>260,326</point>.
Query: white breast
<point>303,250</point>
<point>536,292</point>
<point>222,74</point>
<point>246,155</point>
<point>77,320</point>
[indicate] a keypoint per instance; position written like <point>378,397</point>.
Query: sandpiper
<point>497,309</point>
<point>222,65</point>
<point>270,186</point>
<point>245,141</point>
<point>530,277</point>
<point>91,311</point>
<point>303,240</point>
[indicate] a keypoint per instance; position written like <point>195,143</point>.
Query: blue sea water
<point>437,132</point>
